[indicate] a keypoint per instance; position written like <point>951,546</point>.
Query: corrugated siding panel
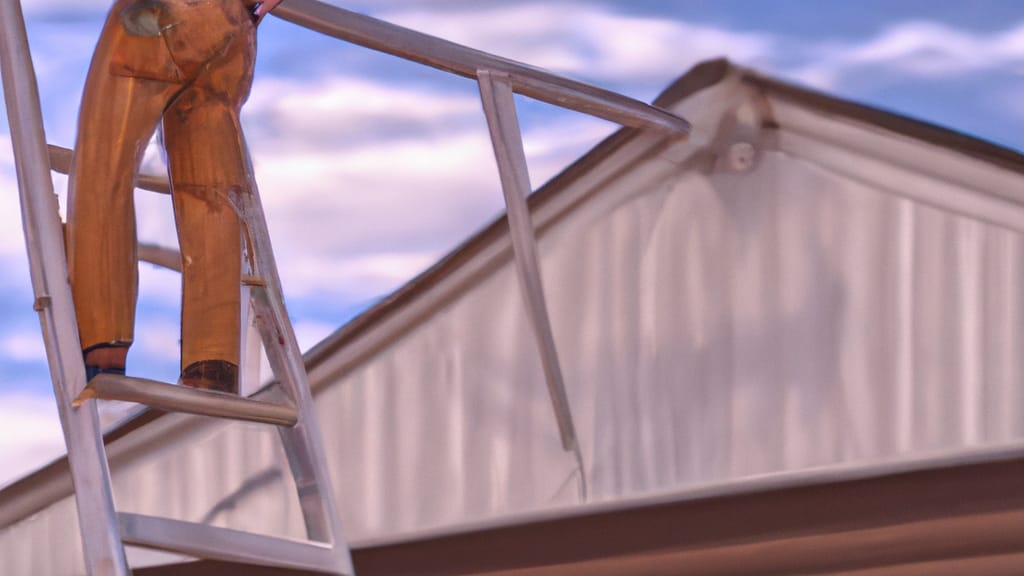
<point>712,326</point>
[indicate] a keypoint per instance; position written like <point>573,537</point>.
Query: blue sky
<point>371,168</point>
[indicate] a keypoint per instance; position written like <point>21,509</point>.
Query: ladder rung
<point>250,280</point>
<point>178,398</point>
<point>213,543</point>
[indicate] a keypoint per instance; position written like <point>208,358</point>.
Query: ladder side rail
<point>303,442</point>
<point>271,319</point>
<point>465,61</point>
<point>101,543</point>
<point>502,120</point>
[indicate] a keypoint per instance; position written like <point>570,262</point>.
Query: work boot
<point>217,375</point>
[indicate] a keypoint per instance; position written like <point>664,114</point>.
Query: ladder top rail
<point>468,62</point>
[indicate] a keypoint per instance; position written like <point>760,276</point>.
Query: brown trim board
<point>968,514</point>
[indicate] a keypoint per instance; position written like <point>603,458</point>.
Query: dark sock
<point>94,368</point>
<point>94,371</point>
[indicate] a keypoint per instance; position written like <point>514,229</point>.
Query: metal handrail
<point>465,61</point>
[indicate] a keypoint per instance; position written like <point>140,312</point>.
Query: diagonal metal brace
<point>499,107</point>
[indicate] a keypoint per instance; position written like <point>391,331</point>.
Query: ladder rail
<point>101,544</point>
<point>315,491</point>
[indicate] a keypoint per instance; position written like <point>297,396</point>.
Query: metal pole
<point>101,540</point>
<point>303,443</point>
<point>500,109</point>
<point>464,61</point>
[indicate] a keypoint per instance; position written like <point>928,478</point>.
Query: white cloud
<point>13,253</point>
<point>310,332</point>
<point>12,239</point>
<point>588,40</point>
<point>362,212</point>
<point>52,6</point>
<point>23,346</point>
<point>930,49</point>
<point>378,196</point>
<point>346,110</point>
<point>158,340</point>
<point>30,434</point>
<point>916,49</point>
<point>355,277</point>
<point>596,41</point>
<point>355,213</point>
<point>159,285</point>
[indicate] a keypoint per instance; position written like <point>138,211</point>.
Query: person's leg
<point>209,166</point>
<point>200,133</point>
<point>130,81</point>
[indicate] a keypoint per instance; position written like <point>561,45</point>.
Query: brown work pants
<point>189,63</point>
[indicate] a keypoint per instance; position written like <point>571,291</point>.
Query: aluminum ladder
<point>105,531</point>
